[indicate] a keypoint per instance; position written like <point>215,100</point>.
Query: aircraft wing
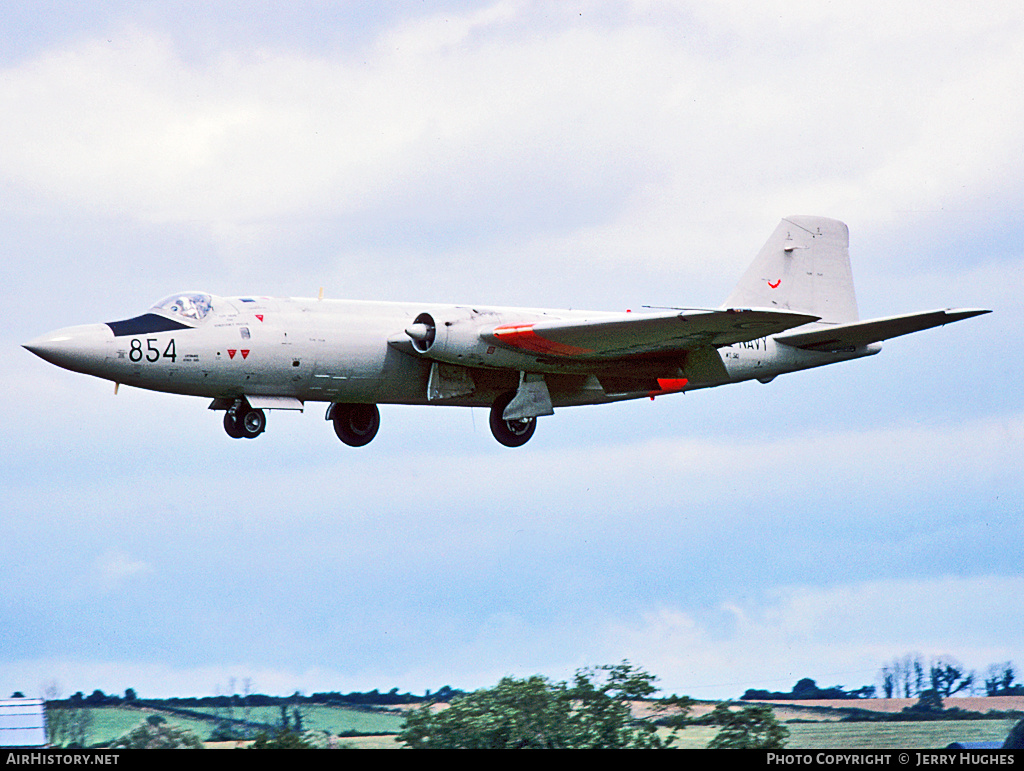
<point>639,334</point>
<point>860,333</point>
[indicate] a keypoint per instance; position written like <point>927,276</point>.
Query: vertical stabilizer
<point>804,267</point>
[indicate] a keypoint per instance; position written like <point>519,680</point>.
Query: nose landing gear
<point>243,422</point>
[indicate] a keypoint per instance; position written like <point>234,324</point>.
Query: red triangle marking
<point>231,352</point>
<point>245,353</point>
<point>259,316</point>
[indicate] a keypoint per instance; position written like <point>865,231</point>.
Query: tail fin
<point>803,267</point>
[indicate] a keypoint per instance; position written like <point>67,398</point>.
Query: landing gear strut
<point>243,422</point>
<point>355,424</point>
<point>511,433</point>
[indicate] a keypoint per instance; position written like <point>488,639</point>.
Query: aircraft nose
<point>80,349</point>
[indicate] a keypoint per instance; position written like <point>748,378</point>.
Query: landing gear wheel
<point>232,425</point>
<point>243,422</point>
<point>252,423</point>
<point>355,424</point>
<point>511,433</point>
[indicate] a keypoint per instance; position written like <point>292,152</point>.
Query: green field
<point>334,720</point>
<point>110,723</point>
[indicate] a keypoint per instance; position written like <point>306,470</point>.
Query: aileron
<point>861,333</point>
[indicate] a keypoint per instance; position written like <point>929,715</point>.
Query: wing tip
<point>958,314</point>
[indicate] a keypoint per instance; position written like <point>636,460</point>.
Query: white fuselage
<point>359,352</point>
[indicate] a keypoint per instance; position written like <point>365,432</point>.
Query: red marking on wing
<point>523,336</point>
<point>775,285</point>
<point>668,385</point>
<point>245,353</point>
<point>259,316</point>
<point>232,352</point>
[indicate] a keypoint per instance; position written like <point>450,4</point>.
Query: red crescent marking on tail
<point>775,285</point>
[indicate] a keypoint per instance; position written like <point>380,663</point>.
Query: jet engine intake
<point>423,332</point>
<point>456,339</point>
<point>451,340</point>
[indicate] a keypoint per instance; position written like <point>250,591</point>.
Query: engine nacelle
<point>454,338</point>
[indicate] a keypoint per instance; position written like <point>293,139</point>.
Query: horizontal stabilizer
<point>843,337</point>
<point>638,334</point>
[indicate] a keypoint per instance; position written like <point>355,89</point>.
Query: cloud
<point>633,135</point>
<point>840,634</point>
<point>113,569</point>
<point>833,634</point>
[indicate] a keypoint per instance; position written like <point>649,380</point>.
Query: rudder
<point>803,267</point>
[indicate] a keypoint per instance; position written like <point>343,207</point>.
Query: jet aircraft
<point>793,309</point>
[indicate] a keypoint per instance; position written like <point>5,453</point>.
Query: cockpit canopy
<point>179,311</point>
<point>188,306</point>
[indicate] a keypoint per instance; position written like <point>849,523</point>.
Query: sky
<point>600,155</point>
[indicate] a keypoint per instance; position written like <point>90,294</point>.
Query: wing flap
<point>638,334</point>
<point>860,333</point>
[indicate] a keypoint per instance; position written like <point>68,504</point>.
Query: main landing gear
<point>511,433</point>
<point>243,422</point>
<point>355,424</point>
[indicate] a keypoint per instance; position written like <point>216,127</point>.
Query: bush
<point>160,736</point>
<point>749,728</point>
<point>535,713</point>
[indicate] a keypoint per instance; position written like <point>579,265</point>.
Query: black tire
<point>252,423</point>
<point>511,433</point>
<point>356,424</point>
<point>232,425</point>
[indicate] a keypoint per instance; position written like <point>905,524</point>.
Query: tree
<point>929,702</point>
<point>285,739</point>
<point>903,677</point>
<point>806,688</point>
<point>888,676</point>
<point>66,726</point>
<point>948,676</point>
<point>226,731</point>
<point>749,728</point>
<point>593,713</point>
<point>1000,680</point>
<point>58,720</point>
<point>158,736</point>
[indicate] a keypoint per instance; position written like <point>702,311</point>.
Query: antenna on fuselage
<point>321,295</point>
